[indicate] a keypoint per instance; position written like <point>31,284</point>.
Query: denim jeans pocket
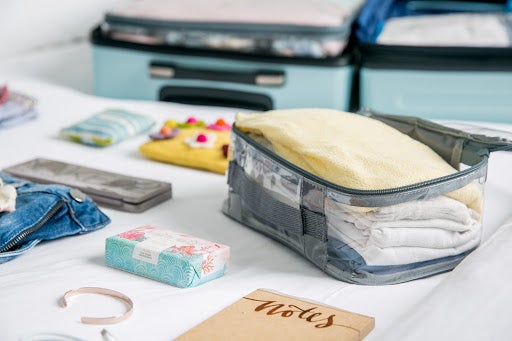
<point>45,212</point>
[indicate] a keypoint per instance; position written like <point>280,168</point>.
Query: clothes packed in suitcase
<point>335,187</point>
<point>250,54</point>
<point>437,59</point>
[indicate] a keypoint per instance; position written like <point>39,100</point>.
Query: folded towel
<point>403,241</point>
<point>374,255</point>
<point>433,208</point>
<point>352,150</point>
<point>454,214</point>
<point>405,255</point>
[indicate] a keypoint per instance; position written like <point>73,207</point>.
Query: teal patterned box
<point>170,257</point>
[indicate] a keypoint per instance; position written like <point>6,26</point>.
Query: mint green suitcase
<point>219,78</point>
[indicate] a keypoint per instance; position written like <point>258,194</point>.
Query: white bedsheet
<point>55,55</point>
<point>465,305</point>
<point>31,285</point>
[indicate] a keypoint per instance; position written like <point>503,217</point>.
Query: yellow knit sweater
<point>352,150</point>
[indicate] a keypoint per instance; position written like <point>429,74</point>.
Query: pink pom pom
<point>201,138</point>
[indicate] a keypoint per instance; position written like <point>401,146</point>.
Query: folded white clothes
<point>406,233</point>
<point>7,197</point>
<point>468,29</point>
<point>434,208</point>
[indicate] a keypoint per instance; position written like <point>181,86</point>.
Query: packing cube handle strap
<point>502,139</point>
<point>298,221</point>
<point>456,146</point>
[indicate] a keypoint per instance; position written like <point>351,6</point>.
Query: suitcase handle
<point>260,78</point>
<point>215,97</point>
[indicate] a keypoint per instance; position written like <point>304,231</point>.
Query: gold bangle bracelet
<point>101,291</point>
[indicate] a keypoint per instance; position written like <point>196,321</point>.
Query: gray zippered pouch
<point>108,189</point>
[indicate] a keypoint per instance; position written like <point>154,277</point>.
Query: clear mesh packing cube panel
<point>371,237</point>
<point>171,257</point>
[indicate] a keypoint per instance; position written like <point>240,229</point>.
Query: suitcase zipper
<point>324,31</point>
<point>33,229</point>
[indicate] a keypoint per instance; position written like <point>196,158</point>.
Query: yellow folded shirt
<point>177,151</point>
<point>352,150</point>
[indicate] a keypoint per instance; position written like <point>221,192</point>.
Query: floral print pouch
<point>171,257</point>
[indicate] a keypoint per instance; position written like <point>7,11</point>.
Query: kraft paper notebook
<point>267,315</point>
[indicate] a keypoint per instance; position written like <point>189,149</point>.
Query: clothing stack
<point>400,236</point>
<point>15,108</point>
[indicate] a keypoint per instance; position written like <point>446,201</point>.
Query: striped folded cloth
<point>15,108</point>
<point>108,127</point>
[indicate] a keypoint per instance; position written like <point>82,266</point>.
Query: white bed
<point>470,303</point>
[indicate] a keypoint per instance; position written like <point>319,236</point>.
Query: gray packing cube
<point>370,237</point>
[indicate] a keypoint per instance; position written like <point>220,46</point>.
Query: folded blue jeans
<point>45,212</point>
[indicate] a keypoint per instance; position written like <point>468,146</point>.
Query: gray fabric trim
<point>366,278</point>
<point>285,223</point>
<point>262,204</point>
